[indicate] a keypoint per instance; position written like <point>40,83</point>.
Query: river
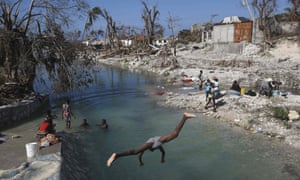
<point>205,149</point>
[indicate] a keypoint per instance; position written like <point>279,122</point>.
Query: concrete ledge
<point>56,148</point>
<point>47,164</point>
<point>16,113</point>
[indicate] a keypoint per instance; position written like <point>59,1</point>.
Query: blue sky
<point>128,12</point>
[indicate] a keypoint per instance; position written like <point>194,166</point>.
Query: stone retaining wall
<point>236,48</point>
<point>15,113</point>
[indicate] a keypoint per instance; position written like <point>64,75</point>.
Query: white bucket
<point>31,150</point>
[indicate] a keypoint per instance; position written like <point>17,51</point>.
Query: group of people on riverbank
<point>211,87</point>
<point>46,132</point>
<point>212,91</point>
<point>267,87</point>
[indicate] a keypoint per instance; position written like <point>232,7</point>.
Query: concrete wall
<point>223,33</point>
<point>236,48</point>
<point>16,113</point>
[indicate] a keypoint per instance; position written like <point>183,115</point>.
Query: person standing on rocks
<point>201,79</point>
<point>211,98</point>
<point>215,81</point>
<point>215,85</point>
<point>207,88</point>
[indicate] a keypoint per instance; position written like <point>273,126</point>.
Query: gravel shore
<point>255,114</point>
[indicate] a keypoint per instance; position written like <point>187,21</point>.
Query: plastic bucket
<point>31,150</point>
<point>275,93</point>
<point>243,90</point>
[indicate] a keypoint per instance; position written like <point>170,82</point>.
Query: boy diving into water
<point>152,143</point>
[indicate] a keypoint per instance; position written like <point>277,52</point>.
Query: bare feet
<point>189,115</point>
<point>111,159</point>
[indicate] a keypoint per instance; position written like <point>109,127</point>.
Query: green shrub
<point>287,125</point>
<point>280,113</point>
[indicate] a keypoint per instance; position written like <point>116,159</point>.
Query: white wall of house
<point>223,33</point>
<point>126,42</point>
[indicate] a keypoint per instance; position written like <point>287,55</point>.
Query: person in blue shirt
<point>207,88</point>
<point>211,98</point>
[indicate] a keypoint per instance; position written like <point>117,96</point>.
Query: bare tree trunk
<point>150,17</point>
<point>29,16</point>
<point>265,8</point>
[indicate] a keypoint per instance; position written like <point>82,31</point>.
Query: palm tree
<point>93,15</point>
<point>111,29</point>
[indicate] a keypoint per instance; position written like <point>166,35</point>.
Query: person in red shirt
<point>44,127</point>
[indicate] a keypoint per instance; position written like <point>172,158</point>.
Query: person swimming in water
<point>84,123</point>
<point>152,143</point>
<point>103,124</point>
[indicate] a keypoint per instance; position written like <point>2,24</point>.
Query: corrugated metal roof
<point>233,19</point>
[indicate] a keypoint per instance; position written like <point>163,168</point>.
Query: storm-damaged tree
<point>111,29</point>
<point>150,17</point>
<point>293,14</point>
<point>265,9</point>
<point>294,10</point>
<point>93,15</point>
<point>172,25</point>
<point>34,35</point>
<point>185,36</point>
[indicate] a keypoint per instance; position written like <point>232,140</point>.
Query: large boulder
<point>293,115</point>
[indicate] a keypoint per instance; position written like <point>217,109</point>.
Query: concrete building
<point>232,29</point>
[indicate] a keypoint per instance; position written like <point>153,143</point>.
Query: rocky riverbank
<point>254,114</point>
<point>257,114</point>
